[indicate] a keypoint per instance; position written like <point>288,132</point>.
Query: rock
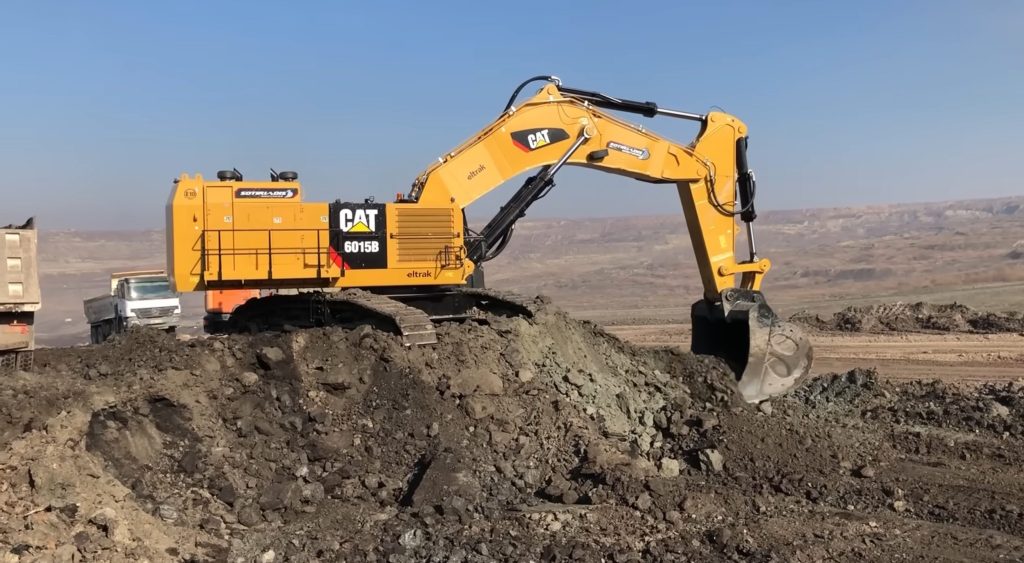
<point>499,438</point>
<point>708,420</point>
<point>673,517</point>
<point>167,513</point>
<point>313,493</point>
<point>478,407</point>
<point>554,526</point>
<point>209,365</point>
<point>577,379</point>
<point>614,423</point>
<point>434,429</point>
<point>281,496</point>
<point>711,460</point>
<point>899,505</point>
<point>191,462</point>
<point>104,518</point>
<point>411,539</point>
<point>248,379</point>
<point>68,509</point>
<point>643,502</point>
<point>721,537</point>
<point>766,408</point>
<point>212,524</point>
<point>330,446</point>
<point>269,356</point>
<point>227,494</point>
<point>558,486</point>
<point>892,491</point>
<point>43,478</point>
<point>319,415</point>
<point>476,382</point>
<point>525,375</point>
<point>998,409</point>
<point>249,516</point>
<point>268,556</point>
<point>865,472</point>
<point>669,467</point>
<point>446,478</point>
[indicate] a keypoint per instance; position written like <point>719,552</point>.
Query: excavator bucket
<point>769,356</point>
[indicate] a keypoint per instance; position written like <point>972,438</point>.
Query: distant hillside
<point>820,257</point>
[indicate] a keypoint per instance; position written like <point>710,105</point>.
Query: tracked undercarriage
<point>409,314</point>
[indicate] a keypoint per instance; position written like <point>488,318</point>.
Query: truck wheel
<point>25,361</point>
<point>8,362</point>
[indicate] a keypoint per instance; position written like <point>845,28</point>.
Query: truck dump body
<point>98,309</point>
<point>19,295</point>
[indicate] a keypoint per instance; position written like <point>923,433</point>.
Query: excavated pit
<point>542,439</point>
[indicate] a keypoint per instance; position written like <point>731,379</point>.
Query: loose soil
<point>915,317</point>
<point>542,439</point>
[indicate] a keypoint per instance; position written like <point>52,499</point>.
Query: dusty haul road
<point>525,439</point>
<point>949,357</point>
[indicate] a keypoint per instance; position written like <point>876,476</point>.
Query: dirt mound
<point>1017,251</point>
<point>538,439</point>
<point>838,388</point>
<point>915,317</point>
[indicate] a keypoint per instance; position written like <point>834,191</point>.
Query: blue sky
<point>104,103</point>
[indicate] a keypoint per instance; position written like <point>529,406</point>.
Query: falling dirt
<point>915,317</point>
<point>541,439</point>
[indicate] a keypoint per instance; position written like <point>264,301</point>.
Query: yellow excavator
<point>403,265</point>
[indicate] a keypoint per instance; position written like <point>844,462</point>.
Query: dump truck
<point>141,298</point>
<point>19,296</point>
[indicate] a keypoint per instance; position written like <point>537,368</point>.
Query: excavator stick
<point>768,355</point>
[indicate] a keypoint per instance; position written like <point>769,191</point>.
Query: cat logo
<point>358,220</point>
<point>532,139</point>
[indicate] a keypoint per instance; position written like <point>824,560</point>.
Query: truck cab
<point>136,299</point>
<point>147,301</point>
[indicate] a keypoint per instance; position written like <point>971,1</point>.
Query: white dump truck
<point>142,298</point>
<point>19,296</point>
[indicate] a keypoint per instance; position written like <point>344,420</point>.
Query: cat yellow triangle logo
<point>359,227</point>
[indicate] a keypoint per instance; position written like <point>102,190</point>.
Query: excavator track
<point>504,303</point>
<point>414,325</point>
<point>410,315</point>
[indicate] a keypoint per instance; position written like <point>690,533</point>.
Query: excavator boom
<point>231,234</point>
